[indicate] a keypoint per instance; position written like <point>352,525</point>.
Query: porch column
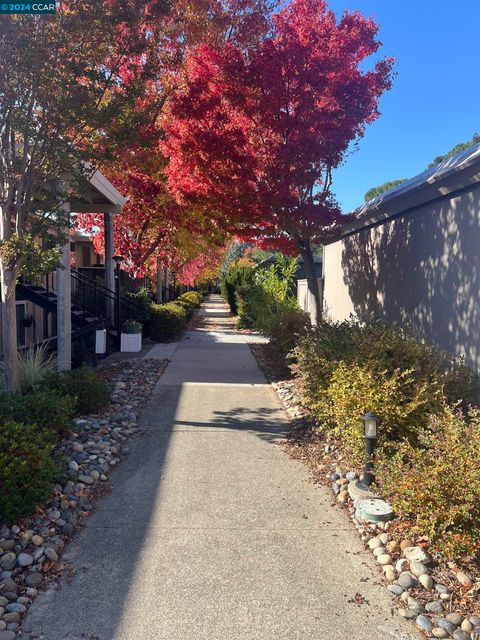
<point>167,292</point>
<point>109,264</point>
<point>64,307</point>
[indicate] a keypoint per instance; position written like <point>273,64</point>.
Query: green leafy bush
<point>34,365</point>
<point>27,471</point>
<point>90,393</point>
<point>385,350</point>
<point>436,484</point>
<point>238,275</point>
<point>131,327</point>
<point>47,408</point>
<point>169,322</point>
<point>268,304</point>
<point>402,402</point>
<point>141,307</point>
<point>193,298</point>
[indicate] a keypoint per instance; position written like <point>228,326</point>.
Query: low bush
<point>169,322</point>
<point>47,408</point>
<point>90,393</point>
<point>27,471</point>
<point>436,484</point>
<point>193,298</point>
<point>402,403</point>
<point>384,350</point>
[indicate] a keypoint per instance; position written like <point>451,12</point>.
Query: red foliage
<point>253,135</point>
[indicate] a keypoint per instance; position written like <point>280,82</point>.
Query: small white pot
<point>130,342</point>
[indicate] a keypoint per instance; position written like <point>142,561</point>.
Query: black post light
<point>370,434</point>
<point>118,261</point>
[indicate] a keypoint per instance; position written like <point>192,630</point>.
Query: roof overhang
<point>98,196</point>
<point>455,174</point>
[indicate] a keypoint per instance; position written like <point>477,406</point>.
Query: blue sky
<point>435,100</point>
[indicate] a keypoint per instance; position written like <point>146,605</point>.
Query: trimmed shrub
<point>169,322</point>
<point>47,408</point>
<point>193,298</point>
<point>238,275</point>
<point>436,485</point>
<point>27,471</point>
<point>285,327</point>
<point>90,393</point>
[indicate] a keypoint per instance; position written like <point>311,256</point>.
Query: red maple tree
<point>254,134</point>
<point>152,224</point>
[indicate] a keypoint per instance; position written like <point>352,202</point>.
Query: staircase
<point>90,300</point>
<point>47,300</point>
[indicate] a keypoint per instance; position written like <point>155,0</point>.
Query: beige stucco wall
<point>421,270</point>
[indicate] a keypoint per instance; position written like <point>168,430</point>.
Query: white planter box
<point>130,342</point>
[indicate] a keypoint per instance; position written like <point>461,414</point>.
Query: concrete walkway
<point>211,532</point>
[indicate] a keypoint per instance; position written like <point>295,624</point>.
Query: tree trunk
<point>9,330</point>
<point>315,302</point>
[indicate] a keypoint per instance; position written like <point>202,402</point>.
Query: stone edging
<point>413,578</point>
<point>30,552</point>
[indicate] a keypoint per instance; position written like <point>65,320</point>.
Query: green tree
<point>64,80</point>
<point>386,186</point>
<point>456,149</point>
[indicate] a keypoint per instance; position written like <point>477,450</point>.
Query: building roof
<point>99,195</point>
<point>443,180</point>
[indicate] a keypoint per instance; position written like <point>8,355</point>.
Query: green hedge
<point>91,394</point>
<point>27,471</point>
<point>49,409</point>
<point>237,276</point>
<point>168,322</point>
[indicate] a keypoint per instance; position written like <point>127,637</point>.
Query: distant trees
<point>456,149</point>
<point>386,186</point>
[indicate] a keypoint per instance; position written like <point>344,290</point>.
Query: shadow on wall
<point>422,271</point>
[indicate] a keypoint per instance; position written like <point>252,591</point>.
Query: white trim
<point>106,188</point>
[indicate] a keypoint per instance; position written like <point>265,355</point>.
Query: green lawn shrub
<point>238,275</point>
<point>402,402</point>
<point>169,322</point>
<point>268,304</point>
<point>193,298</point>
<point>49,409</point>
<point>141,307</point>
<point>384,350</point>
<point>91,394</point>
<point>436,484</point>
<point>27,470</point>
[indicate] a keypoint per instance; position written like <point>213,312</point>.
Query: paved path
<point>211,531</point>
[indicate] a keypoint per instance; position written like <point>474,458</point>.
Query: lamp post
<point>118,261</point>
<point>370,435</point>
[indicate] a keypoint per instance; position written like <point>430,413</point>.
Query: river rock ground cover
<point>441,598</point>
<point>31,550</point>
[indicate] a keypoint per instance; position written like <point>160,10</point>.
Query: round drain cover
<point>374,510</point>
